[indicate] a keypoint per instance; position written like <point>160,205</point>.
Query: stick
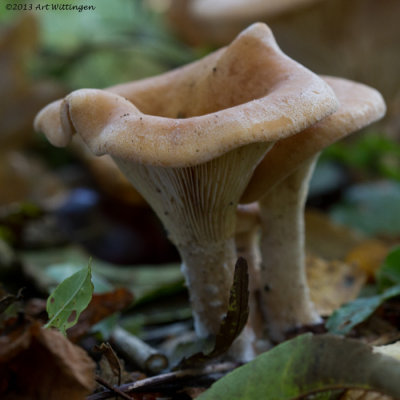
<point>148,383</point>
<point>141,353</point>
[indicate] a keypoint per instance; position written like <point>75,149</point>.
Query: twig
<point>149,383</point>
<point>113,390</point>
<point>140,352</point>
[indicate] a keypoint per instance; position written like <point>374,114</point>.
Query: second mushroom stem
<point>286,302</point>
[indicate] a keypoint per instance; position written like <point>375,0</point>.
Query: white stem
<point>209,280</point>
<point>285,295</point>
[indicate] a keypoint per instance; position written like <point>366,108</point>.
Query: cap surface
<point>360,105</point>
<point>247,92</point>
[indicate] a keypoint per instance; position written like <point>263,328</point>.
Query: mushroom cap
<point>239,10</point>
<point>245,93</point>
<point>360,105</point>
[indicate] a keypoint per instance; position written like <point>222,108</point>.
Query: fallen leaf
<point>100,307</point>
<point>308,365</point>
<point>363,395</point>
<point>343,320</point>
<point>110,364</point>
<point>368,256</point>
<point>41,364</point>
<point>9,299</point>
<point>328,239</point>
<point>332,283</point>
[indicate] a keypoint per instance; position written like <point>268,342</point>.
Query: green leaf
<point>373,153</point>
<point>389,273</point>
<point>344,319</point>
<point>307,365</point>
<point>234,321</point>
<point>69,299</point>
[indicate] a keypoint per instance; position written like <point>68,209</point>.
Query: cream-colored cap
<point>360,105</point>
<point>245,93</point>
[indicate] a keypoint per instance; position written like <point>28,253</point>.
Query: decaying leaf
<point>41,364</point>
<point>363,395</point>
<point>328,239</point>
<point>368,256</point>
<point>110,365</point>
<point>234,321</point>
<point>101,306</point>
<point>343,320</point>
<point>332,283</point>
<point>8,299</point>
<point>309,364</point>
<point>69,299</point>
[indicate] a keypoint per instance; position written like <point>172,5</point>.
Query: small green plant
<point>373,153</point>
<point>69,299</point>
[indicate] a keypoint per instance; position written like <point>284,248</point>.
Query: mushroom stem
<point>286,299</point>
<point>197,206</point>
<point>247,240</point>
<point>208,270</point>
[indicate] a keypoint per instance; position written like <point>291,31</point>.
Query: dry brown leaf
<point>332,283</point>
<point>363,395</point>
<point>101,306</point>
<point>368,256</point>
<point>26,178</point>
<point>41,364</point>
<point>327,239</point>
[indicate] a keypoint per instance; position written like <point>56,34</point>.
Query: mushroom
<point>280,184</point>
<point>189,140</point>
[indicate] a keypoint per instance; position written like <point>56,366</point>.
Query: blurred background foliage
<point>126,41</point>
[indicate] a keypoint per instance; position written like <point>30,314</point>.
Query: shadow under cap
<point>247,92</point>
<point>360,105</point>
